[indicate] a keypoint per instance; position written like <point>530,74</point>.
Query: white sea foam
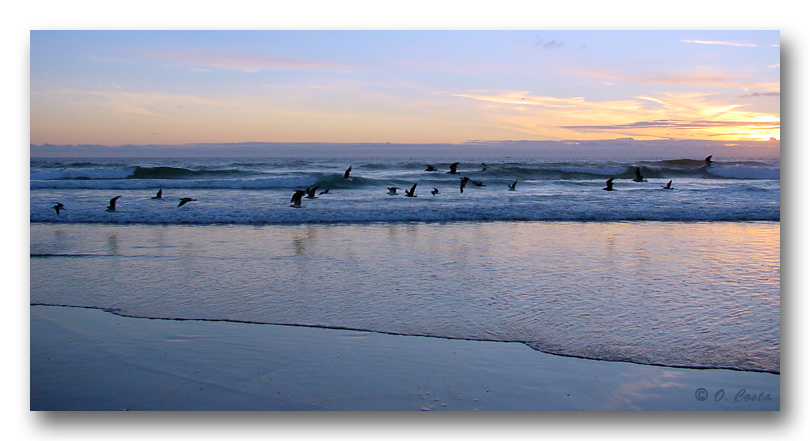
<point>745,172</point>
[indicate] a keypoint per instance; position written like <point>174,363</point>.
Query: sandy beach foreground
<point>87,359</point>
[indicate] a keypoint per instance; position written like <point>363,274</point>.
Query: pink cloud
<point>246,62</point>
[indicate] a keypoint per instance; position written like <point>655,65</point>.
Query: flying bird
<point>638,177</point>
<point>668,186</point>
<point>483,166</point>
<point>434,192</point>
<point>430,168</point>
<point>296,198</point>
<point>393,190</point>
<point>464,181</point>
<point>58,207</point>
<point>478,183</point>
<point>346,174</point>
<point>609,185</point>
<point>410,193</point>
<point>184,201</point>
<point>159,194</point>
<point>453,168</point>
<point>111,207</point>
<point>512,185</point>
<point>311,192</point>
<point>324,192</point>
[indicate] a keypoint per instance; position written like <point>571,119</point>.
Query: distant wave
<point>82,173</point>
<point>139,177</point>
<point>179,172</point>
<point>138,184</point>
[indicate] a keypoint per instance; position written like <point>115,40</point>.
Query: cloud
<point>761,94</point>
<point>524,98</point>
<point>240,61</point>
<point>662,115</point>
<point>550,45</point>
<point>691,125</point>
<point>124,102</point>
<point>722,43</point>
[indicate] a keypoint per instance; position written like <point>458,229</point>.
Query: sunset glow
<point>157,87</point>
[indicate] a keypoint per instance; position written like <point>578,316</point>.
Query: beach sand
<point>88,359</point>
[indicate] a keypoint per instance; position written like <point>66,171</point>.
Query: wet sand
<point>87,359</point>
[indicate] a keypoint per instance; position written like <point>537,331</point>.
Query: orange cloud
<point>687,115</point>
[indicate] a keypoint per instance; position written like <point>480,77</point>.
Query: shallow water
<point>670,293</point>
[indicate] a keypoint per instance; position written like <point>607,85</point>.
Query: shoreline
<point>116,312</point>
<point>89,359</point>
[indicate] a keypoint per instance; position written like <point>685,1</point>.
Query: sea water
<point>684,277</point>
<point>258,191</point>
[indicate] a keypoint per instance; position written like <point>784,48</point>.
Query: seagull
<point>159,194</point>
<point>453,168</point>
<point>410,192</point>
<point>58,207</point>
<point>296,198</point>
<point>512,185</point>
<point>668,186</point>
<point>346,174</point>
<point>708,161</point>
<point>464,181</point>
<point>184,201</point>
<point>478,183</point>
<point>638,177</point>
<point>430,168</point>
<point>609,184</point>
<point>434,192</point>
<point>111,207</point>
<point>311,192</point>
<point>393,190</point>
<point>324,192</point>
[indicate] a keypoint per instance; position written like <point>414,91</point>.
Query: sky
<point>179,87</point>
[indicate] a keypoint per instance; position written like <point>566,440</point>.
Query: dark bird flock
<point>309,192</point>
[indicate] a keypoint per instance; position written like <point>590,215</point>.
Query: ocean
<point>685,277</point>
<point>251,191</point>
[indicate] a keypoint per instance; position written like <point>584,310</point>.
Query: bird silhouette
<point>410,193</point>
<point>111,207</point>
<point>184,201</point>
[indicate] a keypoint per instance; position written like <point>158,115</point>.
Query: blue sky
<point>176,87</point>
